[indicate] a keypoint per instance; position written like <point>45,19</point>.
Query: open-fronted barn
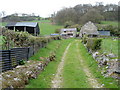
<point>30,27</point>
<point>68,32</point>
<point>89,29</point>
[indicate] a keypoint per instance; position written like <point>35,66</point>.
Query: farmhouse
<point>104,32</point>
<point>30,27</point>
<point>89,29</point>
<point>68,32</point>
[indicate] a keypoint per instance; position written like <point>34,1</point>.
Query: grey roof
<point>104,32</point>
<point>29,24</point>
<point>89,28</point>
<point>69,29</point>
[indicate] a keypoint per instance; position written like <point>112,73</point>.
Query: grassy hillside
<point>114,23</point>
<point>48,28</point>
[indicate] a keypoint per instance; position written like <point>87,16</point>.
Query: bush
<point>76,26</point>
<point>94,44</point>
<point>68,23</point>
<point>22,62</point>
<point>84,39</point>
<point>57,31</point>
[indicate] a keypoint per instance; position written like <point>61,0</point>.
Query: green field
<point>47,28</point>
<point>109,46</point>
<point>114,23</point>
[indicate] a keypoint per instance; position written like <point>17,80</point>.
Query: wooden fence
<point>9,59</point>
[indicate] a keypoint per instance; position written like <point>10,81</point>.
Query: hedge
<point>94,44</point>
<point>24,39</point>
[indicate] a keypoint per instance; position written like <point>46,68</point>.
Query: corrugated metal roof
<point>69,29</point>
<point>29,24</point>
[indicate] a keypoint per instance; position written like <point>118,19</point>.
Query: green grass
<point>45,52</point>
<point>92,64</point>
<point>114,23</point>
<point>45,77</point>
<point>47,28</point>
<point>109,46</point>
<point>3,23</point>
<point>73,74</point>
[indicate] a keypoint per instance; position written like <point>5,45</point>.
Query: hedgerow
<point>94,44</point>
<point>23,39</point>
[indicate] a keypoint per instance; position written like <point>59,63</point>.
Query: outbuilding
<point>30,27</point>
<point>89,29</point>
<point>68,32</point>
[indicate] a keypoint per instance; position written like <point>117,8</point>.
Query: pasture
<point>109,46</point>
<point>114,23</point>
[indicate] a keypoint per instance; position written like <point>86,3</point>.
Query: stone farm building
<point>89,29</point>
<point>68,32</point>
<point>30,27</point>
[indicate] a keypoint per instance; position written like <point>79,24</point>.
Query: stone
<point>111,55</point>
<point>95,54</point>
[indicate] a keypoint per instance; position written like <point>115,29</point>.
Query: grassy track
<point>73,74</point>
<point>44,79</point>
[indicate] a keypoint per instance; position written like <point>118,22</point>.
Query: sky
<point>44,8</point>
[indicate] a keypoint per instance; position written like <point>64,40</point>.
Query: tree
<point>64,15</point>
<point>92,15</point>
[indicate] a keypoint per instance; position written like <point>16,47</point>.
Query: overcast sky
<point>44,8</point>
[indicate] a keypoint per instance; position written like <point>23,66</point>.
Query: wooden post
<point>14,28</point>
<point>35,31</point>
<point>24,29</point>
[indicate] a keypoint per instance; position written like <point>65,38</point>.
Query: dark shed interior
<point>30,27</point>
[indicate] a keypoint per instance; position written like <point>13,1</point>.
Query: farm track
<point>56,83</point>
<point>91,79</point>
<point>58,80</point>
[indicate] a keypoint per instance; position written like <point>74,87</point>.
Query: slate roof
<point>104,32</point>
<point>89,28</point>
<point>29,24</point>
